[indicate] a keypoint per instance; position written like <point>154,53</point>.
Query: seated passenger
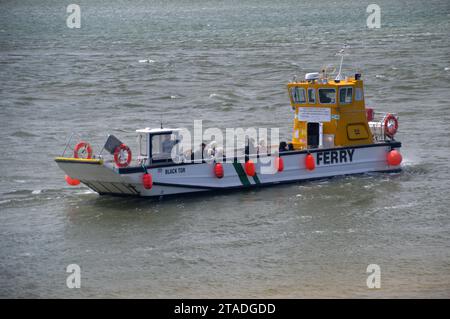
<point>199,153</point>
<point>283,147</point>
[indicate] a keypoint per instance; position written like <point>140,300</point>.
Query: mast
<point>341,53</point>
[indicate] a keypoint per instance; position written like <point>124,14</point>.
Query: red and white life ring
<point>120,158</point>
<point>82,150</point>
<point>390,125</point>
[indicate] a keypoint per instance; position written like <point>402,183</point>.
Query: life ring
<point>82,150</point>
<point>390,125</point>
<point>119,158</point>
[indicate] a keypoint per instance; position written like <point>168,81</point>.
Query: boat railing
<point>377,125</point>
<point>73,139</point>
<point>68,144</point>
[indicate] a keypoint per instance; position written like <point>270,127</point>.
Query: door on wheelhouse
<point>313,133</point>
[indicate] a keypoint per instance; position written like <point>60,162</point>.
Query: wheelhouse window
<point>327,96</point>
<point>311,96</point>
<point>359,96</point>
<point>142,143</point>
<point>162,145</point>
<point>345,95</point>
<point>298,95</point>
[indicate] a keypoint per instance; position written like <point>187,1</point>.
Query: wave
<point>133,105</point>
<point>415,168</point>
<point>41,195</point>
<point>45,191</point>
<point>146,61</point>
<point>23,134</point>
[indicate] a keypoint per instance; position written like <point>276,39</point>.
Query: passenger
<point>203,150</point>
<point>199,154</point>
<point>219,154</point>
<point>283,147</point>
<point>188,154</point>
<point>251,147</point>
<point>262,148</point>
<point>167,144</point>
<point>212,149</point>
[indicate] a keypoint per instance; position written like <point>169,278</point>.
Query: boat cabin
<point>155,145</point>
<point>328,112</point>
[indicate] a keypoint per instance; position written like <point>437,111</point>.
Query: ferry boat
<point>334,134</point>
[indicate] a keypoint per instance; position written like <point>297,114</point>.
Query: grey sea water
<point>227,63</point>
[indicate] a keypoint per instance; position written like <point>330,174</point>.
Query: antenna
<point>341,53</point>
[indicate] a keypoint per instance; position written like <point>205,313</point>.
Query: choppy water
<point>226,63</point>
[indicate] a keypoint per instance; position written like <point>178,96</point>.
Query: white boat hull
<point>172,179</point>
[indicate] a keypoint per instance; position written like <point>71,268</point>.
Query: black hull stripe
<point>241,174</point>
<point>139,169</point>
<point>256,179</point>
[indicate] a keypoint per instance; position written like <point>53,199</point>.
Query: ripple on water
<point>23,134</point>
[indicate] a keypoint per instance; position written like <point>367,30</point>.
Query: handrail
<point>69,141</point>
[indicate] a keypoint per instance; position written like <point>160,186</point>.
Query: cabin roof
<point>328,83</point>
<point>157,130</point>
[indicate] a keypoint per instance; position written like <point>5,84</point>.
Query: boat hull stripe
<point>256,179</point>
<point>241,174</point>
